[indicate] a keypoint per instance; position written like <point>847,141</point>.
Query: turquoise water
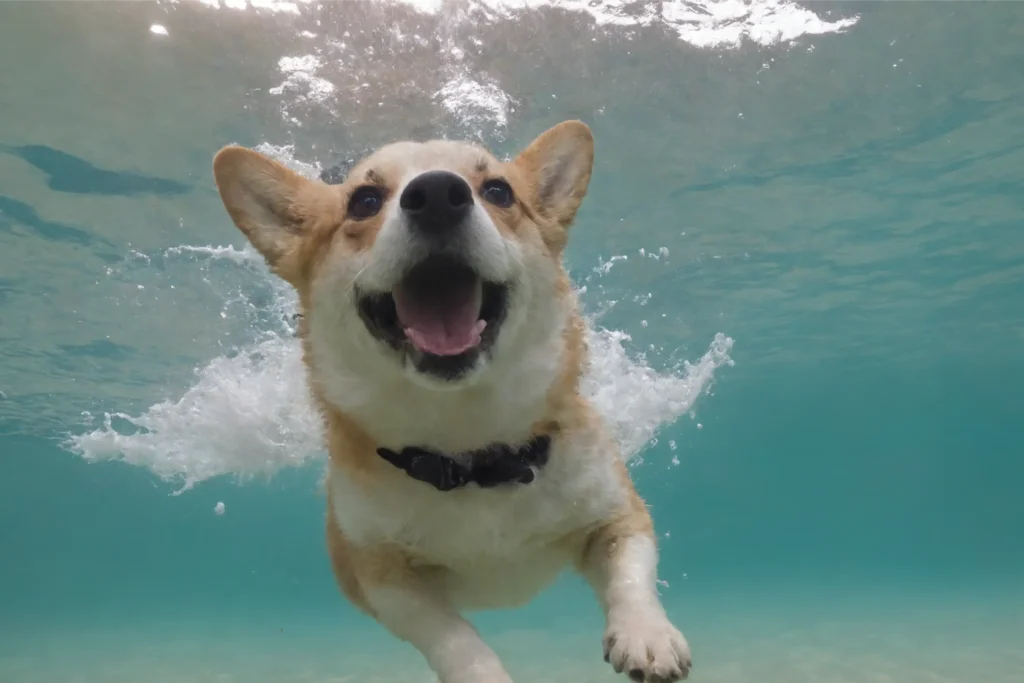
<point>806,218</point>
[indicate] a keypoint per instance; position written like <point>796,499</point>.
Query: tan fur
<point>408,555</point>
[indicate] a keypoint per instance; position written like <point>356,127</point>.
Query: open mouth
<point>442,312</point>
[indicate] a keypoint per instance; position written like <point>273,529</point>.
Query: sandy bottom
<point>879,640</point>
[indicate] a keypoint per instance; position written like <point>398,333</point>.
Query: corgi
<point>444,347</point>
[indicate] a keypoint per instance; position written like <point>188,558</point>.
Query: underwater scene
<point>800,260</point>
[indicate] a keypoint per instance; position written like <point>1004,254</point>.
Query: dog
<point>444,348</point>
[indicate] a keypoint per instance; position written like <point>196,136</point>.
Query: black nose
<point>437,201</point>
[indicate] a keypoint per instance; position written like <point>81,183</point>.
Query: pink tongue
<point>443,319</point>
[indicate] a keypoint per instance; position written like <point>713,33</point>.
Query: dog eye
<point>365,202</point>
<point>497,192</point>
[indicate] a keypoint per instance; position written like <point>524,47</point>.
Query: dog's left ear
<point>557,167</point>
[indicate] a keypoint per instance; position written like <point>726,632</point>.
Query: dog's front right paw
<point>647,647</point>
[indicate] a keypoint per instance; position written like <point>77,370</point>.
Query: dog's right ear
<point>271,204</point>
<point>558,165</point>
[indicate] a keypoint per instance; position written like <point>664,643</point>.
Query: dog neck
<point>488,467</point>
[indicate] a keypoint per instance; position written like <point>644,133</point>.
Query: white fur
<point>398,248</point>
<point>450,644</point>
<point>639,636</point>
<point>498,547</point>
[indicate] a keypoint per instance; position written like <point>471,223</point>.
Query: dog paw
<point>647,647</point>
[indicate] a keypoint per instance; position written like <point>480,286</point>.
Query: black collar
<point>488,467</point>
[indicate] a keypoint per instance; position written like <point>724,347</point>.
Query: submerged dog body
<point>444,348</point>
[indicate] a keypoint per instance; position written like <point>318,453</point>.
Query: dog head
<point>433,263</point>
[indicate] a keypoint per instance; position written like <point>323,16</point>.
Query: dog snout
<point>437,202</point>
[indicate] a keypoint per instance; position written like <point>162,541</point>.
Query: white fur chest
<point>487,547</point>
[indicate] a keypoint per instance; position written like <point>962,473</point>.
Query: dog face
<point>433,262</point>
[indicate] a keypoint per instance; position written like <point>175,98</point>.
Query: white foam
<point>475,102</point>
<point>271,5</point>
<point>249,415</point>
<point>727,23</point>
<point>301,80</point>
<point>720,24</point>
<point>285,154</point>
<point>637,400</point>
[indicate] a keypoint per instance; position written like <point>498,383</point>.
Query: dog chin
<point>444,373</point>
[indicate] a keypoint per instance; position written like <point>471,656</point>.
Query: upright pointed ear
<point>557,166</point>
<point>270,203</point>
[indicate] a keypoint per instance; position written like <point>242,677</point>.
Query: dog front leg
<point>418,615</point>
<point>620,563</point>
